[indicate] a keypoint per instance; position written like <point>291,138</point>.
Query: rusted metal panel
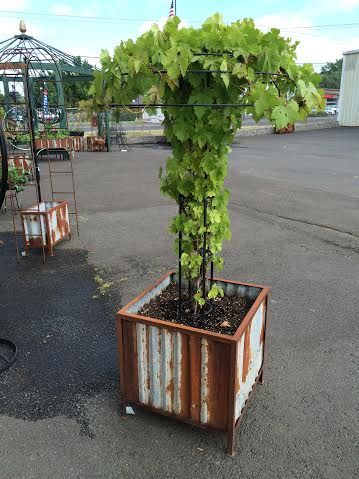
<point>46,223</point>
<point>21,162</point>
<point>130,359</point>
<point>205,381</point>
<point>195,373</point>
<point>249,358</point>
<point>34,227</point>
<point>218,380</point>
<point>164,363</point>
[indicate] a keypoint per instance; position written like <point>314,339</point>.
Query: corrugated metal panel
<point>348,114</point>
<point>59,222</point>
<point>177,373</point>
<point>249,358</point>
<point>34,230</point>
<point>162,369</point>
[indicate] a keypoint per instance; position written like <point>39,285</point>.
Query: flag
<point>172,10</point>
<point>45,99</point>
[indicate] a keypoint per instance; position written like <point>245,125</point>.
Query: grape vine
<point>216,64</point>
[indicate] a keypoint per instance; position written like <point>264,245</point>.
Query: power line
<point>85,17</point>
<point>96,57</point>
<point>120,20</point>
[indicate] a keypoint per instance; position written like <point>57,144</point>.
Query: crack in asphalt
<point>297,220</point>
<point>306,222</point>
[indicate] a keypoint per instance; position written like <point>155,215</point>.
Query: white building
<point>348,114</point>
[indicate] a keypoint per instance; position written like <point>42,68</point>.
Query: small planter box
<point>288,129</point>
<point>96,144</point>
<point>71,143</point>
<point>45,225</point>
<point>65,143</point>
<point>196,376</point>
<point>21,162</point>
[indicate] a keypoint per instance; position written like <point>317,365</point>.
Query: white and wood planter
<point>45,224</point>
<point>199,377</point>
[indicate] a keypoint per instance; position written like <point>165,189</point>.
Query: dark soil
<point>225,316</point>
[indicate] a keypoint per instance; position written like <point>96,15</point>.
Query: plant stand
<point>196,376</point>
<point>45,224</point>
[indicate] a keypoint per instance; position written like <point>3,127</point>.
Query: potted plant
<point>21,139</point>
<point>52,138</point>
<point>192,346</point>
<point>17,178</point>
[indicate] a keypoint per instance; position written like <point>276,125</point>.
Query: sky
<point>325,28</point>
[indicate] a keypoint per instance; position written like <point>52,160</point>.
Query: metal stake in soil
<point>180,201</point>
<point>204,252</point>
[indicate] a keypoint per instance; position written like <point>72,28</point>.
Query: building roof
<point>351,52</point>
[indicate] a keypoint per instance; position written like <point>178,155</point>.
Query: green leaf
<point>137,64</point>
<point>239,70</point>
<point>280,116</point>
<point>225,78</point>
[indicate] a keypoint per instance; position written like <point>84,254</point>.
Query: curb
<point>244,132</point>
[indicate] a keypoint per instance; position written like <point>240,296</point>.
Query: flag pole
<point>175,7</point>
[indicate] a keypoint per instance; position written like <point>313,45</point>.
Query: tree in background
<point>331,74</point>
<point>76,90</point>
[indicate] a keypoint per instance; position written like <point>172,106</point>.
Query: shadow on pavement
<point>66,340</point>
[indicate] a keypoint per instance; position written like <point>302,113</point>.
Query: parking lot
<point>294,212</point>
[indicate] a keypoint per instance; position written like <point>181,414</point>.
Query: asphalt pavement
<point>294,211</point>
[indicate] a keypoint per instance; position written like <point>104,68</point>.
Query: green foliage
<point>16,179</point>
<point>22,138</point>
<point>331,74</point>
<point>76,90</point>
<point>120,114</point>
<point>50,133</point>
<point>159,65</point>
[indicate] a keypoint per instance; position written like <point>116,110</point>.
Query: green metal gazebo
<point>32,76</point>
<point>28,67</point>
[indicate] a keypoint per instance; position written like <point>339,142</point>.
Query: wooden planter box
<point>45,224</point>
<point>196,376</point>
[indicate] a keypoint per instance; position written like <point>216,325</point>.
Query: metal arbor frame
<point>206,255</point>
<point>3,167</point>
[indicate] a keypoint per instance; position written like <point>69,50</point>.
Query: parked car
<point>331,110</point>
